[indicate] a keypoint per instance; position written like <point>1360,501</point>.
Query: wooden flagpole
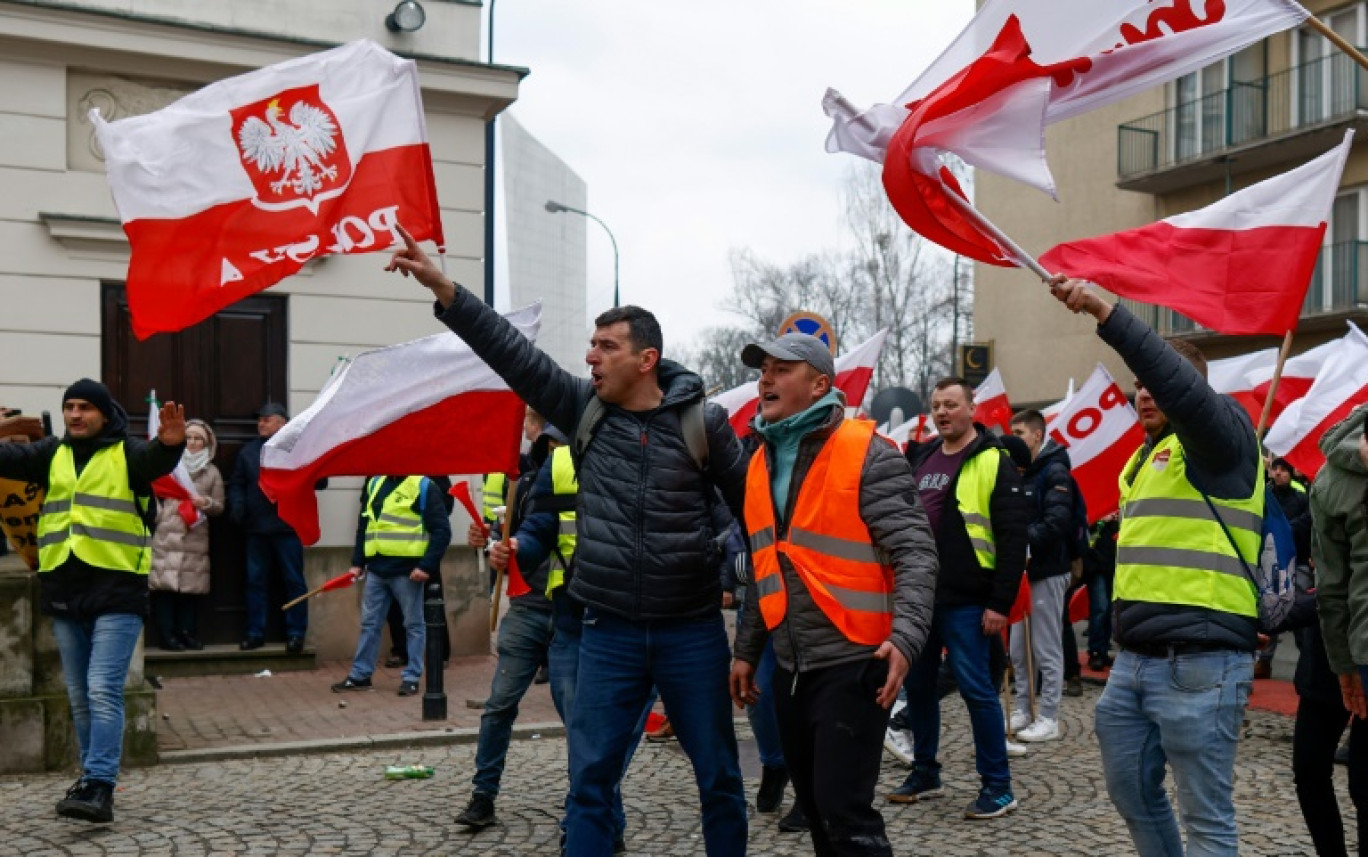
<point>1273,387</point>
<point>1026,259</point>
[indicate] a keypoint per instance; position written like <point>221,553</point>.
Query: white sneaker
<point>1015,750</point>
<point>1018,721</point>
<point>897,742</point>
<point>1044,729</point>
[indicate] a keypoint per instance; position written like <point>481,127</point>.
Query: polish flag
<point>1231,376</point>
<point>1078,55</point>
<point>991,407</point>
<point>1240,266</point>
<point>1053,410</point>
<point>919,429</point>
<point>176,485</point>
<point>233,188</point>
<point>1341,386</point>
<point>854,370</point>
<point>1101,431</point>
<point>1297,376</point>
<point>427,406</point>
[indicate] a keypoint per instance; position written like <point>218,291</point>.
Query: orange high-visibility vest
<point>827,543</point>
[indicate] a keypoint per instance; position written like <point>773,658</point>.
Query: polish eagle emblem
<point>292,148</point>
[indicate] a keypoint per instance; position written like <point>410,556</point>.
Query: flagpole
<point>1337,40</point>
<point>1273,386</point>
<point>1021,256</point>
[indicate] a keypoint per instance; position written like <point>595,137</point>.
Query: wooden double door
<point>222,370</point>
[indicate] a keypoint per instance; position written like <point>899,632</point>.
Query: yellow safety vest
<point>1171,550</point>
<point>974,495</point>
<point>397,530</point>
<point>95,515</point>
<point>495,490</point>
<point>564,483</point>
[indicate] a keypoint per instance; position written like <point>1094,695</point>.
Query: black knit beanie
<point>91,391</point>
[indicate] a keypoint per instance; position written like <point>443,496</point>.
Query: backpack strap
<point>691,425</point>
<point>588,425</point>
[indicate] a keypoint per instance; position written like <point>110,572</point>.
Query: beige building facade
<point>1172,149</point>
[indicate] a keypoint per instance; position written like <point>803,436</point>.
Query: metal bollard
<point>434,695</point>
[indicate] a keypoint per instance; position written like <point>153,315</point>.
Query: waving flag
<point>991,406</point>
<point>1239,266</point>
<point>1101,430</point>
<point>1051,412</point>
<point>427,406</point>
<point>176,485</point>
<point>854,371</point>
<point>234,187</point>
<point>919,429</point>
<point>1297,376</point>
<point>1341,386</point>
<point>1233,377</point>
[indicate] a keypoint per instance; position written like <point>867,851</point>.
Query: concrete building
<point>546,251</point>
<point>64,256</point>
<point>1176,148</point>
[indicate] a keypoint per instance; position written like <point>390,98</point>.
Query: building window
<point>1221,103</point>
<point>1326,85</point>
<point>1340,281</point>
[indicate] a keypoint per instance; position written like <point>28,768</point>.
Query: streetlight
<point>556,208</point>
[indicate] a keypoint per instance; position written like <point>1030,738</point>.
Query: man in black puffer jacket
<point>646,559</point>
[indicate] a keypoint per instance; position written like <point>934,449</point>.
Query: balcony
<point>1289,116</point>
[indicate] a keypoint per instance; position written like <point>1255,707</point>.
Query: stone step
<point>226,660</point>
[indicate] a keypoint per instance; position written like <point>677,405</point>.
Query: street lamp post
<point>556,208</point>
<point>489,189</point>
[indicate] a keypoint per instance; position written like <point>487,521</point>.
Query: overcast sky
<point>698,126</point>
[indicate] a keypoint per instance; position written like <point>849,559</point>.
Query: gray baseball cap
<point>793,346</point>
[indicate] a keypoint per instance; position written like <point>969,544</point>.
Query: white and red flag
<point>1051,412</point>
<point>919,429</point>
<point>233,188</point>
<point>176,486</point>
<point>1101,431</point>
<point>991,407</point>
<point>430,406</point>
<point>1233,376</point>
<point>1240,266</point>
<point>1341,386</point>
<point>1297,377</point>
<point>854,371</point>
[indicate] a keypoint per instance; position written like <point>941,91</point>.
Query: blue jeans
<point>375,605</point>
<point>524,637</point>
<point>958,630</point>
<point>1099,615</point>
<point>1186,711</point>
<point>95,657</point>
<point>287,552</point>
<point>689,662</point>
<point>764,722</point>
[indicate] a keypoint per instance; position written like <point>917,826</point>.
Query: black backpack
<point>1078,541</point>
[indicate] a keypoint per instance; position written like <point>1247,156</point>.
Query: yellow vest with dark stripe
<point>95,515</point>
<point>974,495</point>
<point>565,484</point>
<point>495,494</point>
<point>1171,550</point>
<point>397,530</point>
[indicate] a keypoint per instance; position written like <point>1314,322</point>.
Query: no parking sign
<point>813,325</point>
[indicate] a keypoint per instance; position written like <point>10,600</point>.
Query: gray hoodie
<point>1339,544</point>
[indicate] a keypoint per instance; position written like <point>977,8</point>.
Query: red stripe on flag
<point>1098,478</point>
<point>1306,456</point>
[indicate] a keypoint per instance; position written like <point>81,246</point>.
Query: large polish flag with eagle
<point>425,407</point>
<point>235,187</point>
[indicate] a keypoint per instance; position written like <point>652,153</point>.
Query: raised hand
<point>171,432</point>
<point>412,260</point>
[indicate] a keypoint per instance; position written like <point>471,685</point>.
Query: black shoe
<point>1073,686</point>
<point>191,642</point>
<point>479,813</point>
<point>543,675</point>
<point>294,645</point>
<point>251,643</point>
<point>171,644</point>
<point>408,688</point>
<point>395,662</point>
<point>771,795</point>
<point>350,683</point>
<point>795,821</point>
<point>88,800</point>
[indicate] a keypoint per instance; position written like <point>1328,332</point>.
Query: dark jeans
<point>285,552</point>
<point>620,660</point>
<point>763,719</point>
<point>832,731</point>
<point>1314,740</point>
<point>176,614</point>
<point>1099,614</point>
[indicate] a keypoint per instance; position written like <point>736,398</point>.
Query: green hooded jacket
<point>1339,544</point>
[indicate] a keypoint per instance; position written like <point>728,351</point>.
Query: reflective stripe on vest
<point>397,530</point>
<point>494,494</point>
<point>974,496</point>
<point>827,544</point>
<point>1171,550</point>
<point>564,483</point>
<point>95,515</point>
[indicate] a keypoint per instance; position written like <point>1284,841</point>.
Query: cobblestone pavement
<point>339,804</point>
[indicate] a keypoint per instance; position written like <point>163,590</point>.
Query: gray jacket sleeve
<point>1216,433</point>
<point>535,377</point>
<point>891,508</point>
<point>1330,550</point>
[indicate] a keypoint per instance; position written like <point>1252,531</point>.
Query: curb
<point>428,738</point>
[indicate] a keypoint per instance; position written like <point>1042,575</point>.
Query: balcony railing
<point>1323,91</point>
<point>1340,281</point>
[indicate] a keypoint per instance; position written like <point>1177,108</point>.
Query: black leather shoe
<point>771,795</point>
<point>251,643</point>
<point>795,821</point>
<point>89,800</point>
<point>172,644</point>
<point>294,645</point>
<point>191,642</point>
<point>479,813</point>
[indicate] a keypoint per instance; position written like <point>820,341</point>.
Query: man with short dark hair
<point>646,555</point>
<point>972,495</point>
<point>1296,507</point>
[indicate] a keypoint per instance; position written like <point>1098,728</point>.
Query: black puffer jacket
<point>248,505</point>
<point>646,547</point>
<point>962,581</point>
<point>890,507</point>
<point>77,590</point>
<point>1049,490</point>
